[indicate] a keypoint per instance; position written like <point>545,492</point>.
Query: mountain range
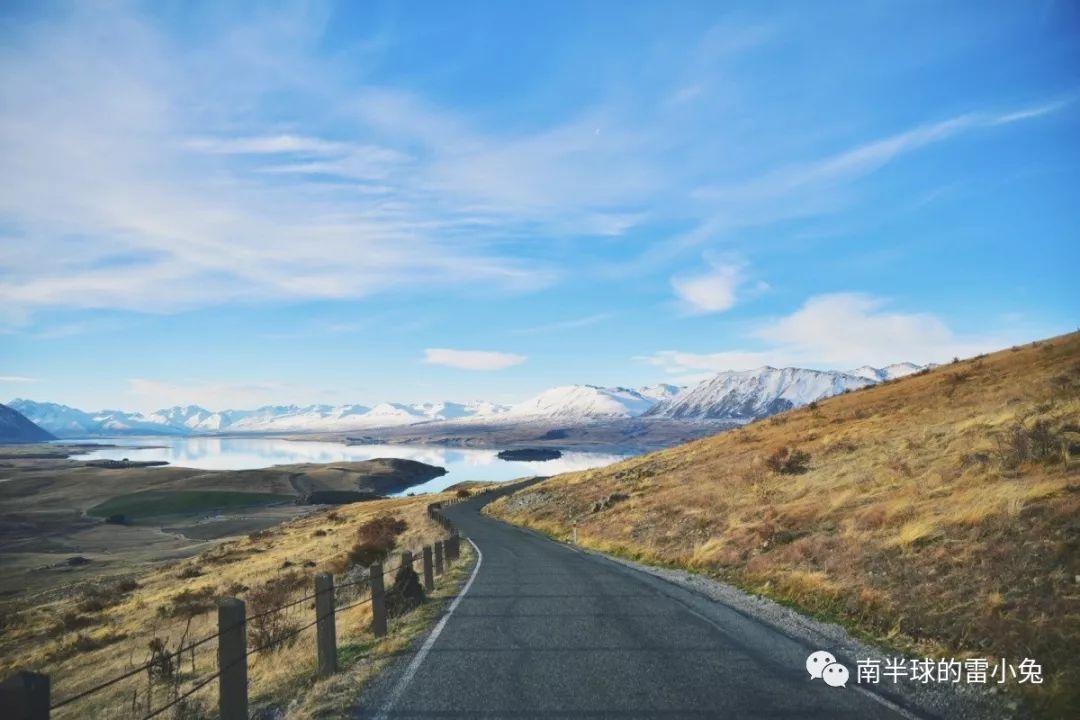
<point>738,396</point>
<point>17,428</point>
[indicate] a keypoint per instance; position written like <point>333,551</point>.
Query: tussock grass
<point>936,513</point>
<point>101,632</point>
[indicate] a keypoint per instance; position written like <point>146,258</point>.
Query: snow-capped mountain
<point>751,394</point>
<point>889,372</point>
<point>65,421</point>
<point>661,392</point>
<point>583,402</point>
<point>58,419</point>
<point>739,396</point>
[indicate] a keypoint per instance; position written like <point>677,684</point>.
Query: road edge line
<point>429,642</point>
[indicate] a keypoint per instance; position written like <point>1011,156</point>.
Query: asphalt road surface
<point>546,631</point>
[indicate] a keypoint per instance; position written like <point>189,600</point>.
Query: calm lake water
<point>248,453</point>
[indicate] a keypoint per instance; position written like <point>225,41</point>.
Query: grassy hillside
<point>95,631</point>
<point>937,513</point>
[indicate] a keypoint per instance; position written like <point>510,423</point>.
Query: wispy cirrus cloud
<point>569,324</point>
<point>104,142</point>
<point>813,188</point>
<point>265,145</point>
<point>472,359</point>
<point>18,379</point>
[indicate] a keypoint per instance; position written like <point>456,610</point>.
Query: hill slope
<point>16,428</point>
<point>937,513</point>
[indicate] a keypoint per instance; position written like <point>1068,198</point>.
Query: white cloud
<point>713,291</point>
<point>124,192</point>
<point>18,379</point>
<point>265,145</point>
<point>571,324</point>
<point>472,359</point>
<point>842,331</point>
<point>810,189</point>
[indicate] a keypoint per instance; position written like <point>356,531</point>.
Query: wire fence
<point>177,669</point>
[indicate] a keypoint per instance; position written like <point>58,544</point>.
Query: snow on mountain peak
<point>583,402</point>
<point>745,395</point>
<point>733,395</point>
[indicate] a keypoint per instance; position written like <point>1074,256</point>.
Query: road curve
<point>547,631</point>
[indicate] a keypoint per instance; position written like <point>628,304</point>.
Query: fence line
<point>26,695</point>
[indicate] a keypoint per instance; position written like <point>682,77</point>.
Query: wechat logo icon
<point>822,665</point>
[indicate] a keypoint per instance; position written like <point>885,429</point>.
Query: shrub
<point>788,461</point>
<point>71,621</point>
<point>86,643</point>
<point>463,493</point>
<point>98,598</point>
<point>191,571</point>
<point>270,629</point>
<point>319,533</point>
<point>406,593</point>
<point>375,539</point>
<point>162,665</point>
<point>1019,444</point>
<point>189,603</point>
<point>954,380</point>
<point>235,589</point>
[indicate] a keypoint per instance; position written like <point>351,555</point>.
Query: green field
<point>152,503</point>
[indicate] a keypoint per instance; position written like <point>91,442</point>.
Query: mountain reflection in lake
<point>248,453</point>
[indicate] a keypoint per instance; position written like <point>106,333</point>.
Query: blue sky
<point>234,206</point>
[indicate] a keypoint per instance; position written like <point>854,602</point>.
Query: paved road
<point>546,631</point>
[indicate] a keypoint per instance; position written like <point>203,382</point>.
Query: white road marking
<point>872,695</point>
<point>410,671</point>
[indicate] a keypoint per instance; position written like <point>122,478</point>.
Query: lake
<point>249,453</point>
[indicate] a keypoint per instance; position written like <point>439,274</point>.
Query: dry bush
<point>375,540</point>
<point>788,461</point>
<point>99,598</point>
<point>86,643</point>
<point>189,603</point>
<point>319,533</point>
<point>70,622</point>
<point>269,629</point>
<point>463,493</point>
<point>163,661</point>
<point>954,380</point>
<point>1018,444</point>
<point>191,571</point>
<point>406,594</point>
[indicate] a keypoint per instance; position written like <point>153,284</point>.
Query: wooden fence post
<point>429,575</point>
<point>406,559</point>
<point>378,601</point>
<point>25,696</point>
<point>325,624</point>
<point>232,659</point>
<point>439,557</point>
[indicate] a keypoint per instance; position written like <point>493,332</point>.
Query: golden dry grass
<point>909,526</point>
<point>122,630</point>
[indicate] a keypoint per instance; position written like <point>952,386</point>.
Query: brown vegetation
<point>83,637</point>
<point>940,515</point>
